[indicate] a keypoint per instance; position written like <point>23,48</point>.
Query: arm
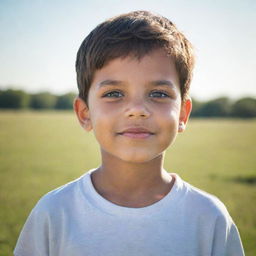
<point>227,240</point>
<point>34,237</point>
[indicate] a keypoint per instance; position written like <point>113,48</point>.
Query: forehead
<point>156,65</point>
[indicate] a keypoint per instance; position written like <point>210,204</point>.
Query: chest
<point>141,236</point>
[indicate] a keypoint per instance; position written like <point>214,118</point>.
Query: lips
<point>136,132</point>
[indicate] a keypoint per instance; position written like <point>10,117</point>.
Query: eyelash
<point>166,95</point>
<point>107,95</point>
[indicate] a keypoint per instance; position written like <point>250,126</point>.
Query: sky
<point>39,40</point>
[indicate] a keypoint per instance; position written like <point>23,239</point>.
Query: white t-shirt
<point>74,220</point>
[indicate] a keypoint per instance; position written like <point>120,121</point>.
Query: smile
<point>136,133</point>
<point>140,135</point>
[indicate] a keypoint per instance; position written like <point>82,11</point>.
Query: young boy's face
<point>135,107</point>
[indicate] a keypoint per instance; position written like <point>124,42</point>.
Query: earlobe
<point>181,127</point>
<point>186,107</point>
<point>82,113</point>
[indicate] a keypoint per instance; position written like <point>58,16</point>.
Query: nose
<point>137,109</point>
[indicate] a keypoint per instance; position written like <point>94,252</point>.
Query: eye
<point>159,94</point>
<point>113,94</point>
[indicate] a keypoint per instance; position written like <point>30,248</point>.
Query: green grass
<point>40,151</point>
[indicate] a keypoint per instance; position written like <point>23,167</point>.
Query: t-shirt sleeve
<point>34,237</point>
<point>227,240</point>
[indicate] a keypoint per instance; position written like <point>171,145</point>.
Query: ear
<point>82,113</point>
<point>185,110</point>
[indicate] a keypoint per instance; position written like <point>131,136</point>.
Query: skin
<point>131,93</point>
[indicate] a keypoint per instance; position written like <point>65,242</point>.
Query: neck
<point>117,177</point>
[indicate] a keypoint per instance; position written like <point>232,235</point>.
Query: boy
<point>133,74</point>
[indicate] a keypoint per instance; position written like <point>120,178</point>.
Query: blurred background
<point>39,41</point>
<point>41,143</point>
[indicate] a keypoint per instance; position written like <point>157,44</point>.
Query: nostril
<point>137,111</point>
<point>138,114</point>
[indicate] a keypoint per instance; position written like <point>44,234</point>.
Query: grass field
<point>40,151</point>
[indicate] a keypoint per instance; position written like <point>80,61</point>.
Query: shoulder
<point>206,200</point>
<point>205,204</point>
<point>60,197</point>
<point>211,217</point>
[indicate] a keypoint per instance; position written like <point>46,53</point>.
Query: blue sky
<point>39,40</point>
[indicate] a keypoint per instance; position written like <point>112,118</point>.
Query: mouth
<point>136,133</point>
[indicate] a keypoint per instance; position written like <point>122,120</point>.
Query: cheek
<point>169,119</point>
<point>103,110</point>
<point>102,123</point>
<point>102,113</point>
<point>170,112</point>
<point>101,133</point>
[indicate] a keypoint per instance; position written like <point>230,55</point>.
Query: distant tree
<point>219,107</point>
<point>245,108</point>
<point>65,101</point>
<point>43,100</point>
<point>196,106</point>
<point>14,99</point>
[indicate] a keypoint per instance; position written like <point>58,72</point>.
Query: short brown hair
<point>135,33</point>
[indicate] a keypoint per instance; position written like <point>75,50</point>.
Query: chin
<point>132,156</point>
<point>138,158</point>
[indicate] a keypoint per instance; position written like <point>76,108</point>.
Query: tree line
<point>220,107</point>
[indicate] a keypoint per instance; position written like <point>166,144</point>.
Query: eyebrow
<point>163,83</point>
<point>154,83</point>
<point>109,82</point>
